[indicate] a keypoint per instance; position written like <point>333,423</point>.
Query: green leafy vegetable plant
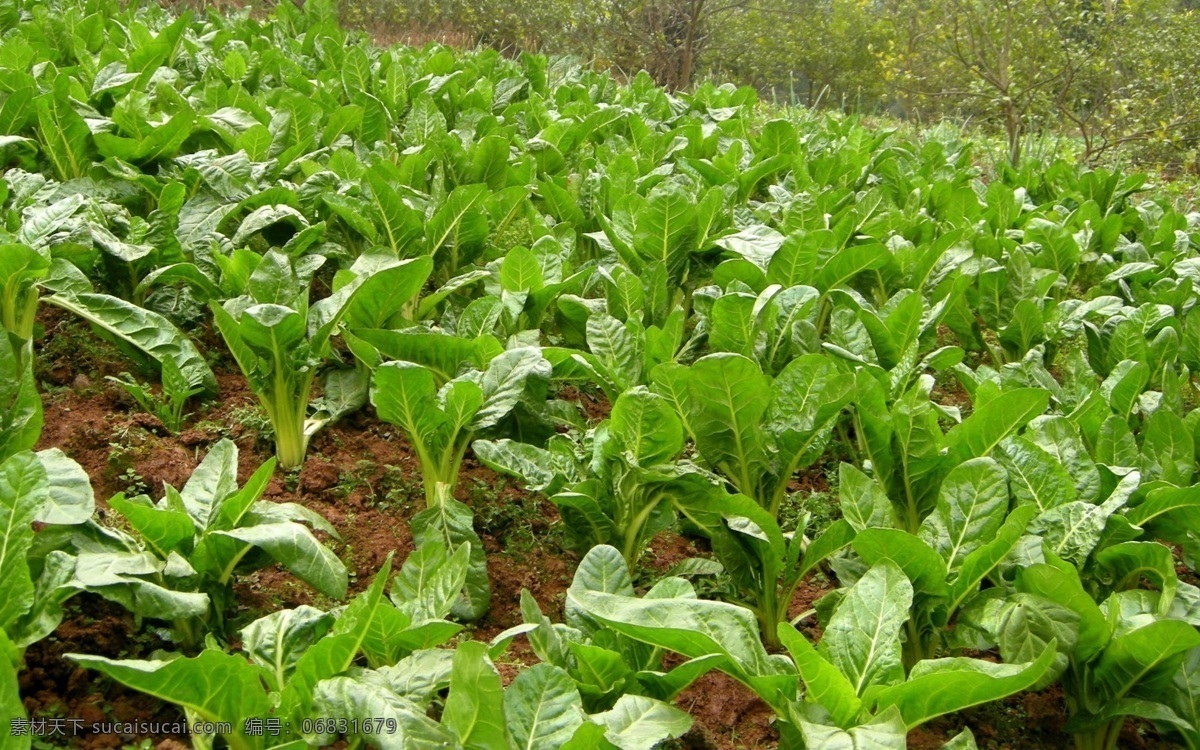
<point>21,266</point>
<point>909,453</point>
<point>1117,658</point>
<point>763,564</point>
<point>281,343</point>
<point>169,404</point>
<point>755,431</point>
<point>853,684</point>
<point>620,483</point>
<point>287,655</point>
<point>440,417</point>
<point>185,551</point>
<point>604,664</point>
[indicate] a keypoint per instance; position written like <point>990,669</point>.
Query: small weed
<point>356,479</point>
<point>168,402</point>
<point>401,487</point>
<point>249,419</point>
<point>820,508</point>
<point>72,341</point>
<point>133,483</point>
<point>254,419</point>
<point>384,488</point>
<point>129,444</point>
<point>518,523</point>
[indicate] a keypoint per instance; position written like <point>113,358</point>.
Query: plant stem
<point>19,311</point>
<point>187,633</point>
<point>771,612</point>
<point>631,550</point>
<point>1103,737</point>
<point>287,407</point>
<point>913,650</point>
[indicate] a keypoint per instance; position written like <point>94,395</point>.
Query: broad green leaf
<point>733,324</point>
<point>21,408</point>
<point>543,708</point>
<point>668,686</point>
<point>1024,626</point>
<point>1170,513</point>
<point>213,686</point>
<point>147,331</point>
<point>796,260</point>
<point>1034,476</point>
<point>520,271</point>
<point>400,224</point>
<point>350,698</point>
<point>1064,589</point>
<point>430,580</point>
<point>693,628</point>
<point>941,686</point>
<point>921,563</point>
<point>11,708</point>
<point>442,353</point>
<point>1116,445</point>
<point>51,591</point>
<point>640,723</point>
<point>474,710</point>
<point>883,732</point>
<point>849,262</point>
<point>163,529</point>
<point>1124,384</point>
<point>65,137</point>
<point>1168,449</point>
<point>863,502</point>
<point>278,640</point>
<point>598,670</point>
<point>824,684</point>
<point>405,394</point>
<point>971,507</point>
<point>807,400</point>
<point>863,637</point>
<point>1148,655</point>
<point>1185,692</point>
<point>603,570</point>
<point>385,292</point>
<point>980,562</point>
<point>211,482</point>
<point>646,427</point>
<point>994,421</point>
<point>295,547</point>
<point>505,380</point>
<point>450,523</point>
<point>536,467</point>
<point>619,347</point>
<point>451,223</point>
<point>23,491</point>
<point>728,396</point>
<point>665,229</point>
<point>421,675</point>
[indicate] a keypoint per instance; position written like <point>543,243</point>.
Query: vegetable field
<point>397,398</point>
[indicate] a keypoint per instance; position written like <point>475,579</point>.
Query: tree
<point>817,51</point>
<point>1006,60</point>
<point>1114,71</point>
<point>1140,89</point>
<point>667,38</point>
